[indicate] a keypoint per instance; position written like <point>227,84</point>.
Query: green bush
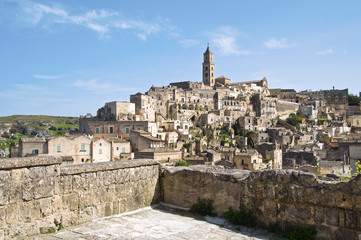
<point>242,217</point>
<point>182,163</point>
<point>203,207</point>
<point>294,120</point>
<point>353,100</point>
<point>294,233</point>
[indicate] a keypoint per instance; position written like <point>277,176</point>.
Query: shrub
<point>242,217</point>
<point>182,163</point>
<point>203,207</point>
<point>294,233</point>
<point>294,120</point>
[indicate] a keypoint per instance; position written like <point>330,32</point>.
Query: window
<point>138,128</point>
<point>58,149</point>
<point>97,130</point>
<point>117,148</point>
<point>100,151</point>
<point>35,151</point>
<point>242,162</point>
<point>207,96</point>
<point>111,129</point>
<point>82,160</point>
<point>126,130</point>
<point>82,147</point>
<point>123,150</point>
<point>125,111</point>
<point>100,144</point>
<point>254,161</point>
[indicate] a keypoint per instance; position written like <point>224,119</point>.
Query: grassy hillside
<point>35,119</point>
<point>21,126</point>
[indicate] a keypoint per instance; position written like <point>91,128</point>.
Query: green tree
<point>294,120</point>
<point>353,100</point>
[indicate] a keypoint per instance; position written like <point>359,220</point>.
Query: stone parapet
<point>24,162</point>
<point>284,196</point>
<point>37,194</point>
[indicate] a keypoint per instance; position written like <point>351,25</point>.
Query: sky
<point>68,58</point>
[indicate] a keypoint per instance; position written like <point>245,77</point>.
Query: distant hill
<point>22,126</point>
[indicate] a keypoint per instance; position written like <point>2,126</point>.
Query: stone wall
<point>36,193</point>
<point>284,196</point>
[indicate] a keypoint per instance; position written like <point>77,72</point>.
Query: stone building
<point>32,147</point>
<point>141,140</point>
<point>116,111</point>
<point>78,147</point>
<point>249,159</point>
<point>144,106</point>
<point>117,128</point>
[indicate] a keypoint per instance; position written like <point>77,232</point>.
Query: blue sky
<point>70,57</point>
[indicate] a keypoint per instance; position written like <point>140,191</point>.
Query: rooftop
<point>159,223</point>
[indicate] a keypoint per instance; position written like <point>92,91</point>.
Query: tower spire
<point>208,68</point>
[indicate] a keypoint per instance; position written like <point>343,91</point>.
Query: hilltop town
<point>243,125</point>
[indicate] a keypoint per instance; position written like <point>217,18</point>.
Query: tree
<point>294,120</point>
<point>353,100</point>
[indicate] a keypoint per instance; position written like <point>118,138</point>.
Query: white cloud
<point>325,52</point>
<point>95,86</point>
<point>225,40</point>
<point>274,43</point>
<point>99,21</point>
<point>39,76</point>
<point>188,42</point>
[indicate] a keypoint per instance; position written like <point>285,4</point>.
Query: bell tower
<point>208,68</point>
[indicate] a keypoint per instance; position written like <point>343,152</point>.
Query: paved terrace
<point>159,222</point>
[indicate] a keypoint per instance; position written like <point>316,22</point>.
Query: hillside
<point>19,126</point>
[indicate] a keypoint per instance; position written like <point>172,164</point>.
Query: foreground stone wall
<point>284,196</point>
<point>37,193</point>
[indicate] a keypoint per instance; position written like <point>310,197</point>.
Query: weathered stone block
<point>71,201</point>
<point>351,219</point>
<point>270,209</point>
<point>27,191</point>
<point>87,199</point>
<point>19,175</point>
<point>319,214</point>
<point>341,218</point>
<point>79,183</point>
<point>295,213</point>
<point>43,188</point>
<point>91,180</point>
<point>342,234</point>
<point>57,203</point>
<point>36,172</point>
<point>52,170</point>
<point>332,216</point>
<point>12,214</point>
<point>132,176</point>
<point>45,207</point>
<point>66,184</point>
<point>323,232</point>
<point>30,211</point>
<point>108,209</point>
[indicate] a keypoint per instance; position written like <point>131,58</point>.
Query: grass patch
<point>182,163</point>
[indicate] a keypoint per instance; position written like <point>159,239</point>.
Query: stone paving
<point>159,223</point>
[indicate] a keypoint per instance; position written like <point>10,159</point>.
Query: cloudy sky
<point>70,57</point>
